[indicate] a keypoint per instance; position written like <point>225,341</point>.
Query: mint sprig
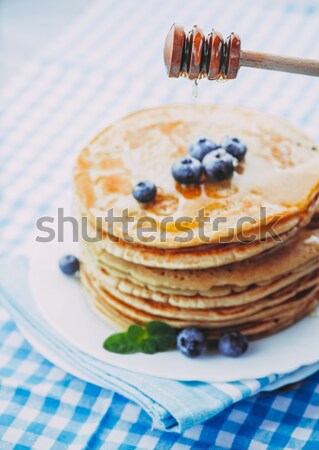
<point>155,337</point>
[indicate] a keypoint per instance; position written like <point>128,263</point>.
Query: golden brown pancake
<point>261,324</point>
<point>257,285</point>
<point>280,173</point>
<point>303,249</point>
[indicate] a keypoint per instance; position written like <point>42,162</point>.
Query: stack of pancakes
<point>252,264</point>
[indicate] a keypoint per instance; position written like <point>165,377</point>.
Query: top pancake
<point>280,173</point>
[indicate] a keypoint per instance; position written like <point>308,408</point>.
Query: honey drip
<point>195,90</point>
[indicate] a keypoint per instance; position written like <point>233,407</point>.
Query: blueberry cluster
<point>216,161</point>
<point>192,343</point>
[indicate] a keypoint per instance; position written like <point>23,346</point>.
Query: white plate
<point>65,306</point>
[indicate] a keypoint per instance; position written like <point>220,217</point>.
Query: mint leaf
<point>148,346</point>
<point>120,343</point>
<point>162,334</point>
<point>136,333</point>
<point>155,337</point>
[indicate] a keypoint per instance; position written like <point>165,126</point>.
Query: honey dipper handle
<point>196,55</point>
<point>279,63</point>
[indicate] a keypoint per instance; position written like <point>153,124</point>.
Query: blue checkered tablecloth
<point>105,65</point>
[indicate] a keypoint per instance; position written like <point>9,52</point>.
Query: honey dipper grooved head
<point>197,55</point>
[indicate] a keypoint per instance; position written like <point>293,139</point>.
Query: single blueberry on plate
<point>187,170</point>
<point>233,344</point>
<point>191,342</point>
<point>219,165</point>
<point>144,192</point>
<point>69,264</point>
<point>200,148</point>
<point>234,146</point>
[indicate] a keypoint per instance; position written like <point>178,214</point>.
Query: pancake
<point>211,313</point>
<point>256,276</point>
<point>280,173</point>
<point>204,300</point>
<point>303,249</point>
<point>280,297</point>
<point>121,315</point>
<point>209,255</point>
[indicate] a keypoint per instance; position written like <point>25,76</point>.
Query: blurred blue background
<point>27,26</point>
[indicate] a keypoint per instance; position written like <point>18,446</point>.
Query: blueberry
<point>233,344</point>
<point>191,342</point>
<point>219,165</point>
<point>234,146</point>
<point>69,264</point>
<point>200,148</point>
<point>144,192</point>
<point>187,170</point>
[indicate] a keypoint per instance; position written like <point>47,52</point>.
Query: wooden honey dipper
<point>195,55</point>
